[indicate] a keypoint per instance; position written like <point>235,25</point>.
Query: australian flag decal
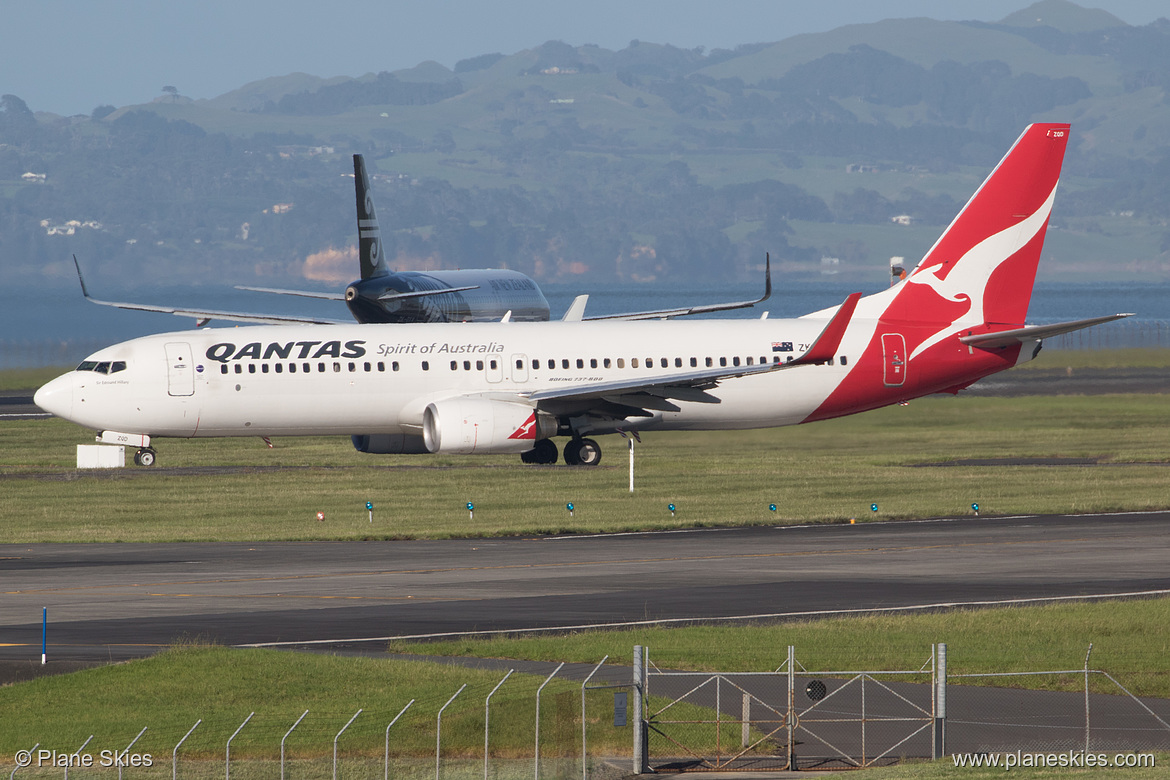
<point>781,346</point>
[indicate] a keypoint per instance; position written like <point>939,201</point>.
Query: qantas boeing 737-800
<point>513,386</point>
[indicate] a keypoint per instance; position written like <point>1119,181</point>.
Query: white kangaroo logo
<point>969,275</point>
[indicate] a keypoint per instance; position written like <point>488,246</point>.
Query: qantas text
<point>294,350</point>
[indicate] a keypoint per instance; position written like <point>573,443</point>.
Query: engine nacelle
<point>389,444</point>
<point>482,425</point>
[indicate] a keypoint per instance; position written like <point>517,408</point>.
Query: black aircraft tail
<point>369,235</point>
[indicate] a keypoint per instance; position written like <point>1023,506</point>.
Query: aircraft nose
<point>56,397</point>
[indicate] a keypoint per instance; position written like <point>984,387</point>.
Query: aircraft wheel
<point>144,457</point>
<point>543,452</point>
<point>582,452</point>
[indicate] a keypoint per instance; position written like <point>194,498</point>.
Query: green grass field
<point>825,472</point>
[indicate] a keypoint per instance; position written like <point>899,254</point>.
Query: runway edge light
<point>975,509</point>
<point>569,506</point>
<point>671,508</point>
<point>772,507</point>
<point>470,510</point>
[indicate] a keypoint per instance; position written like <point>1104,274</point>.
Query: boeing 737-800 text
<point>513,386</point>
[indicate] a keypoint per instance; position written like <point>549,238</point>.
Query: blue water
<point>59,327</point>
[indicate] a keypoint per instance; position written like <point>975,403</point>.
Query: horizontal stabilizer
<point>325,296</point>
<point>1007,338</point>
<point>397,296</point>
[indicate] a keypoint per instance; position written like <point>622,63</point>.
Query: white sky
<point>69,56</point>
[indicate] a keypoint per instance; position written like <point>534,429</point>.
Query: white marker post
<point>44,633</point>
<point>631,464</point>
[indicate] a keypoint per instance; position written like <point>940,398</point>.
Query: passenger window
<point>694,362</point>
<point>723,361</point>
<point>454,365</point>
<point>239,369</point>
<point>763,360</point>
<point>678,362</point>
<point>649,362</point>
<point>580,363</point>
<point>223,369</point>
<point>621,362</point>
<point>750,360</point>
<point>280,368</point>
<point>535,365</point>
<point>552,363</point>
<point>305,367</point>
<point>292,368</point>
<point>606,362</point>
<point>426,366</point>
<point>565,363</point>
<point>633,362</point>
<point>844,360</point>
<point>709,362</point>
<point>520,364</point>
<point>493,365</point>
<point>467,365</point>
<point>353,367</point>
<point>735,360</point>
<point>593,362</point>
<point>336,367</point>
<point>263,368</point>
<point>479,365</point>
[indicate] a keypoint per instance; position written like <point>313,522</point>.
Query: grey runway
<point>125,600</point>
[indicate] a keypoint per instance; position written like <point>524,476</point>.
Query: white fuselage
<point>319,379</point>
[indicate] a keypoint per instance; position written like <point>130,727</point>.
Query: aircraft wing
<point>576,312</point>
<point>1007,338</point>
<point>655,392</point>
<point>203,316</point>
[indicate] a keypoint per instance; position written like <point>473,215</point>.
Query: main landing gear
<point>578,452</point>
<point>144,457</point>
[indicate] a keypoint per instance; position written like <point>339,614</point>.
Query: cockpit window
<point>104,367</point>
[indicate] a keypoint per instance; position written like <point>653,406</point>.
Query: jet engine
<point>479,425</point>
<point>388,444</point>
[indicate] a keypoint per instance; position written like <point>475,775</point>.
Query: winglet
<point>825,347</point>
<point>576,310</point>
<point>80,278</point>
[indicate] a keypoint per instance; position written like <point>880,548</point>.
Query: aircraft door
<point>519,368</point>
<point>180,370</point>
<point>893,359</point>
<point>494,366</point>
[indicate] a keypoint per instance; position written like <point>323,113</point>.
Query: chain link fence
<point>599,722</point>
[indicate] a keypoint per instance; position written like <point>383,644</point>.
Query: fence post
<point>32,752</point>
<point>639,744</point>
<point>584,744</point>
<point>127,750</point>
<point>175,752</point>
<point>439,728</point>
<point>227,761</point>
<point>282,739</point>
<point>940,701</point>
<point>343,728</point>
<point>536,754</point>
<point>791,708</point>
<point>1087,654</point>
<point>486,721</point>
<point>75,753</point>
<point>386,765</point>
